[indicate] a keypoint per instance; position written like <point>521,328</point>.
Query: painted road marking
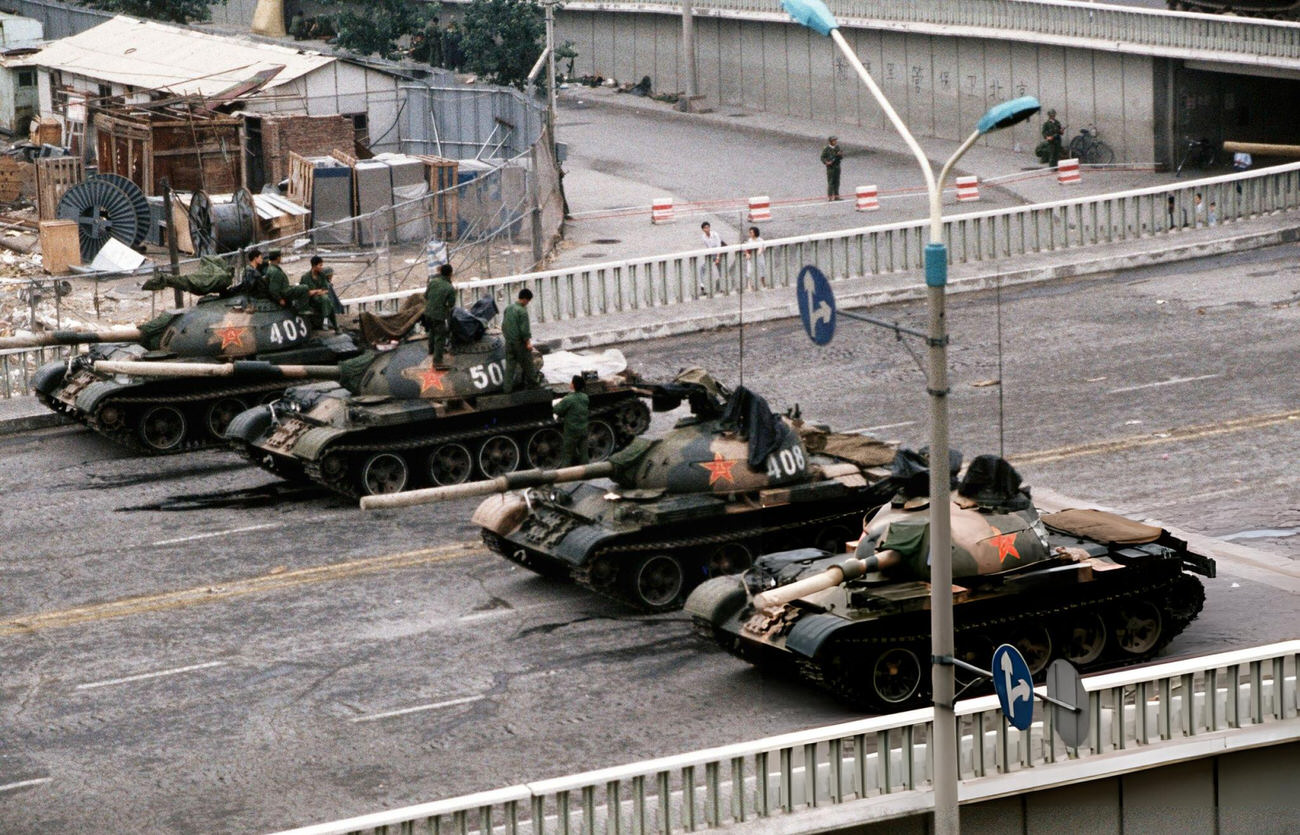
<point>21,784</point>
<point>417,709</point>
<point>1172,382</point>
<point>862,429</point>
<point>145,676</point>
<point>235,588</point>
<point>211,534</point>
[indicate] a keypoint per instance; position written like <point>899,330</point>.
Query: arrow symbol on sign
<point>822,311</point>
<point>1020,691</point>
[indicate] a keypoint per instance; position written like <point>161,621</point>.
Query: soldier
<point>278,288</point>
<point>320,298</point>
<point>439,299</point>
<point>573,410</point>
<point>831,157</point>
<point>518,334</point>
<point>1049,150</point>
<point>252,283</point>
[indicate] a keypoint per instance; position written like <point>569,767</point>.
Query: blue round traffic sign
<point>816,304</point>
<point>1014,685</point>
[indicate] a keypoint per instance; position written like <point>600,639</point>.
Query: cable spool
<point>138,201</point>
<point>221,227</point>
<point>102,211</point>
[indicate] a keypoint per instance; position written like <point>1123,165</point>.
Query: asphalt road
<point>189,646</point>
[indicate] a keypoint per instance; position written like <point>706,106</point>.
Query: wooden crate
<point>13,176</point>
<point>301,178</point>
<point>443,174</point>
<point>54,176</point>
<point>45,130</point>
<point>60,246</point>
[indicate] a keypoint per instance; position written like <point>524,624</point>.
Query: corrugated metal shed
<point>154,56</point>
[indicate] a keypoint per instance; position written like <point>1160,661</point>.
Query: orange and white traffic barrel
<point>968,188</point>
<point>868,199</point>
<point>1067,172</point>
<point>760,208</point>
<point>661,210</point>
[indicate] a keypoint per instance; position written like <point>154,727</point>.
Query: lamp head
<point>1008,113</point>
<point>811,13</point>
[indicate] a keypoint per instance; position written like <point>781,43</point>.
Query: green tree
<point>376,27</point>
<point>503,39</point>
<point>177,11</point>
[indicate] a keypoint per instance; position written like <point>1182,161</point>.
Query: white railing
<point>670,281</point>
<point>1113,28</point>
<point>1163,711</point>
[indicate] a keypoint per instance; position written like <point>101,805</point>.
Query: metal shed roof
<point>149,55</point>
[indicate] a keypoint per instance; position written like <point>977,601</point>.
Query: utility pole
<point>171,241</point>
<point>688,51</point>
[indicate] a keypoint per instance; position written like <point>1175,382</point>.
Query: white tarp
<point>561,366</point>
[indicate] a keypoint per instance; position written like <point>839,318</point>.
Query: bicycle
<point>1201,153</point>
<point>1088,148</point>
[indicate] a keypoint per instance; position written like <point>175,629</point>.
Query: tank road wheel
<point>111,417</point>
<point>384,472</point>
<point>600,440</point>
<point>895,678</point>
<point>656,582</point>
<point>221,413</point>
<point>498,455</point>
<point>450,464</point>
<point>162,428</point>
<point>334,467</point>
<point>1084,640</point>
<point>1137,625</point>
<point>544,448</point>
<point>1035,644</point>
<point>631,419</point>
<point>728,558</point>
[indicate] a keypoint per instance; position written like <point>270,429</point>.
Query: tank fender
<point>717,600</point>
<point>49,377</point>
<point>580,544</point>
<point>502,513</point>
<point>250,425</point>
<point>810,633</point>
<point>88,399</point>
<point>314,440</point>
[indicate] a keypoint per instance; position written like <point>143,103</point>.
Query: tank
<point>722,485</point>
<point>1276,9</point>
<point>395,422</point>
<point>173,414</point>
<point>1086,585</point>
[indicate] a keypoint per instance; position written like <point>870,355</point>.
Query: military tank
<point>1094,588</point>
<point>178,413</point>
<point>724,484</point>
<point>394,420</point>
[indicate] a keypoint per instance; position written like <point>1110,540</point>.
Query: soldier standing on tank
<point>518,334</point>
<point>831,158</point>
<point>278,287</point>
<point>573,411</point>
<point>439,299</point>
<point>320,301</point>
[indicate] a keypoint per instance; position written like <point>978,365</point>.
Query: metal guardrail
<point>669,281</point>
<point>1172,704</point>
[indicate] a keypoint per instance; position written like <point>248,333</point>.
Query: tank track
<point>196,435</point>
<point>348,486</point>
<point>1178,598</point>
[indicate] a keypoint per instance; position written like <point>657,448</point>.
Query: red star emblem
<point>1006,545</point>
<point>430,378</point>
<point>719,468</point>
<point>231,336</point>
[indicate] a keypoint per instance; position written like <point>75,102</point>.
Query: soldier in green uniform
<point>278,287</point>
<point>1049,150</point>
<point>252,283</point>
<point>439,299</point>
<point>518,334</point>
<point>831,158</point>
<point>573,410</point>
<point>320,302</point>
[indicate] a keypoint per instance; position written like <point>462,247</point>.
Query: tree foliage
<point>502,39</point>
<point>177,11</point>
<point>375,27</point>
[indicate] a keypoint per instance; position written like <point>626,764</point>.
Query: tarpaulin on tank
<point>212,276</point>
<point>151,332</point>
<point>992,482</point>
<point>911,470</point>
<point>1101,526</point>
<point>469,325</point>
<point>387,327</point>
<point>752,418</point>
<point>352,371</point>
<point>863,450</point>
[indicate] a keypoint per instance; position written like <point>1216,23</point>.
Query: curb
<point>986,280</point>
<point>27,423</point>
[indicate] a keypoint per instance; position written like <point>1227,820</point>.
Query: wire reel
<point>102,210</point>
<point>221,227</point>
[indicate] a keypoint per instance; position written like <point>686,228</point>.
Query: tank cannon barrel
<point>500,484</point>
<point>257,369</point>
<point>41,340</point>
<point>850,569</point>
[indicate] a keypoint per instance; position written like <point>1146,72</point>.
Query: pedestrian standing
<point>518,335</point>
<point>1049,150</point>
<point>320,296</point>
<point>574,410</point>
<point>439,300</point>
<point>756,258</point>
<point>1214,213</point>
<point>710,272</point>
<point>1198,211</point>
<point>831,158</point>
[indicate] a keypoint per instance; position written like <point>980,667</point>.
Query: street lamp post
<point>814,15</point>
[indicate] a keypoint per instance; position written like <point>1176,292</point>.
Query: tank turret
<point>1085,585</point>
<point>731,481</point>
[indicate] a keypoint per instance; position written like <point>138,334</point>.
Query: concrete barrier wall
<point>940,85</point>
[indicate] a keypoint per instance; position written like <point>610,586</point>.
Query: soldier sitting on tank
<point>279,290</point>
<point>253,282</point>
<point>320,295</point>
<point>573,410</point>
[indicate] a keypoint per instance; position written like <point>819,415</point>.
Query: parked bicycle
<point>1088,148</point>
<point>1201,153</point>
